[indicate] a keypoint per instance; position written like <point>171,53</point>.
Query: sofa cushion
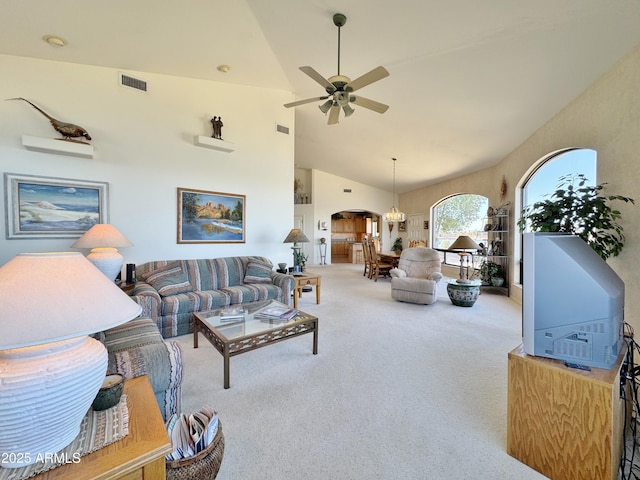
<point>252,292</point>
<point>136,332</point>
<point>258,272</point>
<point>197,301</point>
<point>169,280</point>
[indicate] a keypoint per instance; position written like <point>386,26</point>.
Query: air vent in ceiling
<point>132,82</point>
<point>347,190</point>
<point>282,129</point>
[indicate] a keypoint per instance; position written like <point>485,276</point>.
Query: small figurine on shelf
<point>216,123</point>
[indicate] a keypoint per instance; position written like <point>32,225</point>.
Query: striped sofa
<point>170,291</point>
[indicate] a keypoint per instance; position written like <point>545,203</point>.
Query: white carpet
<point>397,391</point>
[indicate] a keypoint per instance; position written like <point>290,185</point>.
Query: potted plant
<point>491,273</point>
<point>397,245</point>
<point>581,209</point>
<point>301,259</point>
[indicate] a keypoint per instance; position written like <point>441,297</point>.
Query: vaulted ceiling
<point>469,80</point>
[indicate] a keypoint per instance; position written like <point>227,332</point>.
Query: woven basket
<point>203,465</point>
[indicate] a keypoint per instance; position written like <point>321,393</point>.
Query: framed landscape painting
<point>49,207</point>
<point>210,217</point>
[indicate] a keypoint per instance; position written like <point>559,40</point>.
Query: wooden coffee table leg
<point>315,339</point>
<point>195,335</point>
<point>226,367</point>
<point>295,296</point>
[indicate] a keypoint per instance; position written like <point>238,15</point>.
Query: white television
<point>572,302</point>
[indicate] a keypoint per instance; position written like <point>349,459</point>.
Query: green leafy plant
<point>301,259</point>
<point>581,209</point>
<point>489,270</point>
<point>397,245</point>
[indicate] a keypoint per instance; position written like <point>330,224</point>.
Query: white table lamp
<point>50,370</point>
<point>103,240</point>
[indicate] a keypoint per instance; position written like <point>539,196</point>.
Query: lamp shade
<point>102,235</point>
<point>464,242</point>
<point>47,297</point>
<point>296,236</point>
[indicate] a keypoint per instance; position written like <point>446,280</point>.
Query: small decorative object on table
<point>109,393</point>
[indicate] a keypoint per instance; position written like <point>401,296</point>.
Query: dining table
<point>390,257</point>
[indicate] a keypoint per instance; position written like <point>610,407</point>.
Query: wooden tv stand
<point>565,423</point>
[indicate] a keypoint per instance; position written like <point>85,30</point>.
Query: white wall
<point>329,197</point>
<point>144,150</point>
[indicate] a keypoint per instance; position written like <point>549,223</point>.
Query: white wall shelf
<point>59,146</point>
<point>213,143</point>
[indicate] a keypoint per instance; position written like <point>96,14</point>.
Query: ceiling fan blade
<point>319,78</point>
<point>374,75</point>
<point>308,100</point>
<point>370,104</point>
<point>334,114</point>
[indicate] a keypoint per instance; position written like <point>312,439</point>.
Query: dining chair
<point>367,258</point>
<point>377,267</point>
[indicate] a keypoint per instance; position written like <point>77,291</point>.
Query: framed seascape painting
<point>210,217</point>
<point>49,207</point>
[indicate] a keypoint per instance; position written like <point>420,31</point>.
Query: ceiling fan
<point>340,88</point>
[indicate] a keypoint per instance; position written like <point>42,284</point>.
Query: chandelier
<point>394,215</point>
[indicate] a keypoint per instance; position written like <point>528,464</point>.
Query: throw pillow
<point>168,280</point>
<point>258,272</point>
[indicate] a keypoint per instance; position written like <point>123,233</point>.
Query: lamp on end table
<point>461,245</point>
<point>296,236</point>
<point>50,369</point>
<point>103,240</point>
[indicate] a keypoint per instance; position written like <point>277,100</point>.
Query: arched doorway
<point>348,229</point>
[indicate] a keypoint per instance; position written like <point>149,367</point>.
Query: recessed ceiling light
<point>55,41</point>
<point>223,68</point>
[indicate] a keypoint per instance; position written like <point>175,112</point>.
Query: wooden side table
<point>139,455</point>
<point>304,280</point>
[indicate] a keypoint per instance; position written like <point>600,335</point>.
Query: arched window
<point>461,214</point>
<point>544,177</point>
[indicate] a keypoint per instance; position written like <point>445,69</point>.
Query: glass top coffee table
<point>232,336</point>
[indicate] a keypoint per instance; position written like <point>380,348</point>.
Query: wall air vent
<point>132,82</point>
<point>282,129</point>
<point>347,190</point>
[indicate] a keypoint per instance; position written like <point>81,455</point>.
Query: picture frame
<point>51,207</point>
<point>210,217</point>
<point>402,226</point>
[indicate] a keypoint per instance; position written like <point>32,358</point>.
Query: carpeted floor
<point>397,391</point>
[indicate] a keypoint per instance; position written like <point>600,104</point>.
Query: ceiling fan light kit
<point>340,87</point>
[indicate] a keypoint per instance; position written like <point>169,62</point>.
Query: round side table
<point>463,294</point>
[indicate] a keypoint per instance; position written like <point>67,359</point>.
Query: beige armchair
<point>417,276</point>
